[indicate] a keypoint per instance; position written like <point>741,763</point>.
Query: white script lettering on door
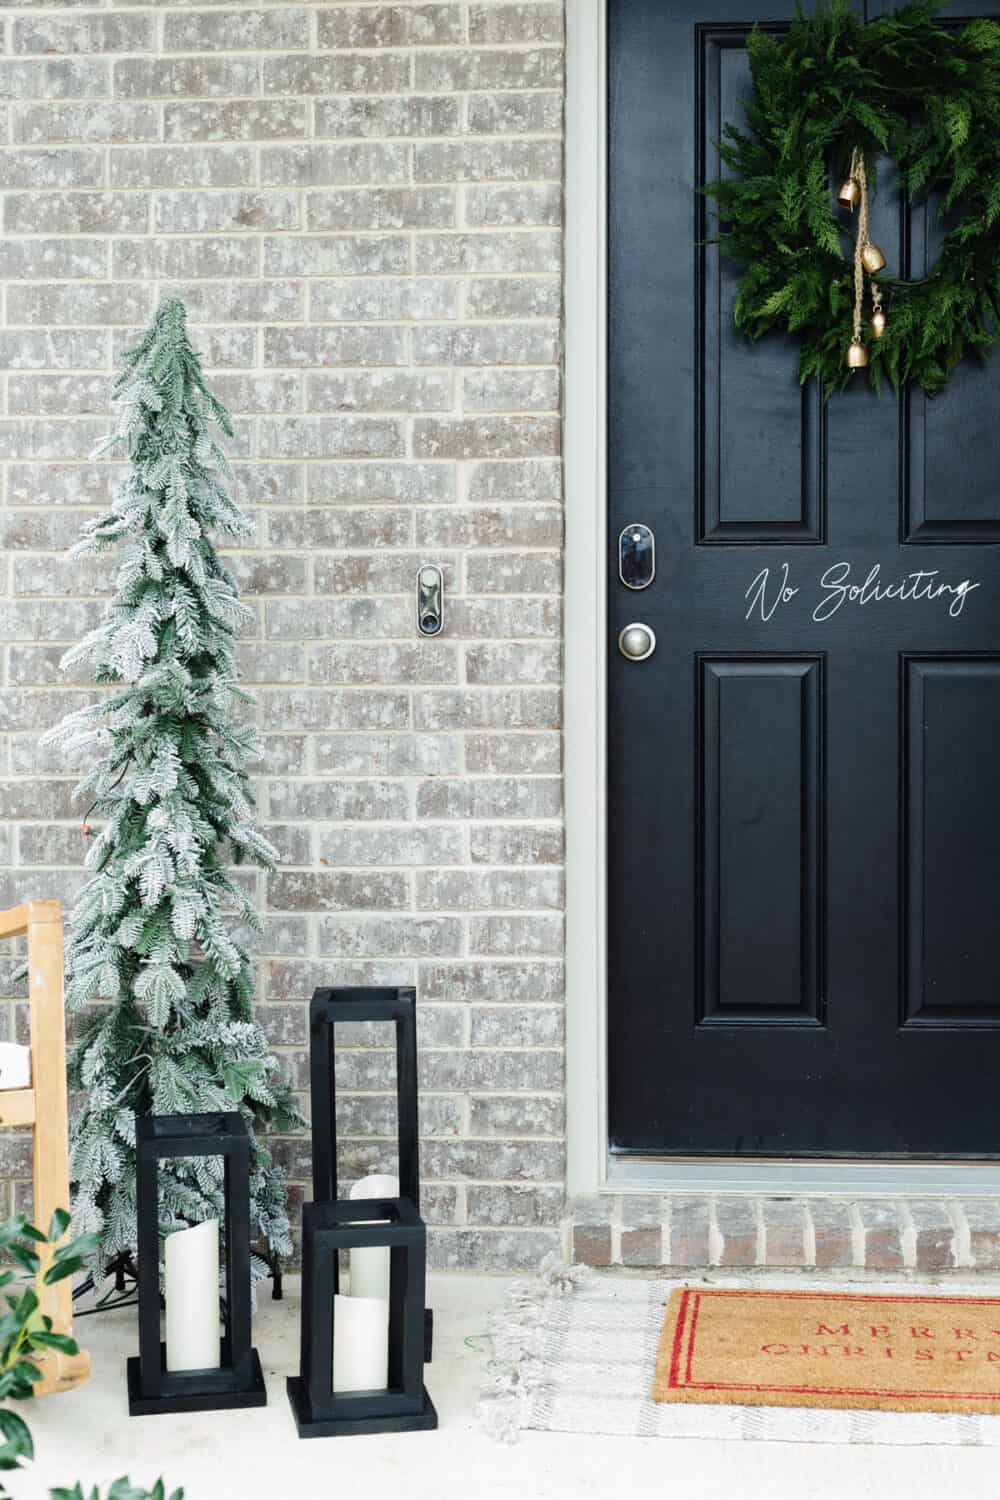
<point>765,597</point>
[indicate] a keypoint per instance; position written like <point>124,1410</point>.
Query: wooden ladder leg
<point>51,1134</point>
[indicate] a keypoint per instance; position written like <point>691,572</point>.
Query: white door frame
<point>585,596</point>
<point>590,1170</point>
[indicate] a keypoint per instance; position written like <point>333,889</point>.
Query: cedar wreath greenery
<point>903,86</point>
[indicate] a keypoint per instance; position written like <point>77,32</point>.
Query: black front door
<point>804,776</point>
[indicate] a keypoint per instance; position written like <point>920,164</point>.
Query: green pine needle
<point>902,85</point>
<point>155,958</point>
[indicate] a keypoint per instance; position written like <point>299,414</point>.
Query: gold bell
<point>872,258</point>
<point>857,355</point>
<point>849,194</point>
<point>878,323</point>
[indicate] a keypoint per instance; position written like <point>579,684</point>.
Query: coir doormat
<point>727,1345</point>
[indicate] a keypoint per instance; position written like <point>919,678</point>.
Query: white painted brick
<point>346,26</point>
<point>58,395</point>
<point>331,437</point>
<point>491,526</point>
<point>361,205</point>
<point>334,346</point>
<point>513,297</point>
<point>515,114</point>
<point>181,167</point>
<point>319,165</point>
<point>336,255</point>
<point>76,213</point>
<point>179,259</point>
<point>54,348</point>
<point>489,24</point>
<point>412,299</point>
<point>194,211</point>
<point>120,32</point>
<point>55,78</point>
<point>488,69</point>
<point>171,77</point>
<point>381,208</point>
<point>69,302</point>
<point>487,161</point>
<point>348,73</point>
<point>278,28</point>
<point>524,708</point>
<point>75,259</point>
<point>66,167</point>
<point>348,484</point>
<point>474,437</point>
<point>383,391</point>
<point>241,301</point>
<point>511,390</point>
<point>236,120</point>
<point>522,753</point>
<point>98,121</point>
<point>509,252</point>
<point>383,118</point>
<point>514,205</point>
<point>486,344</point>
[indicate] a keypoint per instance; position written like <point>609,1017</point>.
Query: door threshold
<point>804,1179</point>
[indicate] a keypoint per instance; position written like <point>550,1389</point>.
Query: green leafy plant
<point>904,86</point>
<point>25,1331</point>
<point>120,1490</point>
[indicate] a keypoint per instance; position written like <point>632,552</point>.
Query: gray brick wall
<point>361,206</point>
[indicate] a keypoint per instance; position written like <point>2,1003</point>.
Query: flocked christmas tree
<point>154,956</point>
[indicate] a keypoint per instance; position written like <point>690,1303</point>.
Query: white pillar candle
<point>15,1066</point>
<point>370,1267</point>
<point>360,1344</point>
<point>191,1292</point>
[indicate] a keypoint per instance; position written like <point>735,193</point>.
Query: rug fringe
<point>519,1368</point>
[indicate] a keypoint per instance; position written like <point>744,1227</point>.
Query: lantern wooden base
<point>354,1423</point>
<point>183,1400</point>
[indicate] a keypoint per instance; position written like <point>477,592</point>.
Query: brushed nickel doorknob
<point>636,642</point>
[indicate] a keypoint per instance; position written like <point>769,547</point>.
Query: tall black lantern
<point>330,1226</point>
<point>239,1380</point>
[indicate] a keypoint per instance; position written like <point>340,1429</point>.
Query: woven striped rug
<point>575,1351</point>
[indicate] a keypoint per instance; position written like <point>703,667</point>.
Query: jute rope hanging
<point>867,258</point>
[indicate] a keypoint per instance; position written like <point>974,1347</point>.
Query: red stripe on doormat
<point>756,1293</point>
<point>691,1301</point>
<point>694,1322</point>
<point>675,1359</point>
<point>835,1390</point>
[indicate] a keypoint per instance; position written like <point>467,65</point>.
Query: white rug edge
<point>534,1382</point>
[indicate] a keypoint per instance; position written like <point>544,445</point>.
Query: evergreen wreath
<point>836,93</point>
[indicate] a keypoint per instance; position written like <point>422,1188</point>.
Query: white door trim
<point>589,1170</point>
<point>584,432</point>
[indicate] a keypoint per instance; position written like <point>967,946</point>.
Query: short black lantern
<point>330,1226</point>
<point>238,1381</point>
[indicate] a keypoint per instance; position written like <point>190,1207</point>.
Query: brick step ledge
<point>740,1231</point>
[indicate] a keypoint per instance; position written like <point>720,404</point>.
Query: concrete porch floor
<point>256,1455</point>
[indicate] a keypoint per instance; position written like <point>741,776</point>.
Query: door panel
<point>761,812</point>
<point>953,493</point>
<point>771,488</point>
<point>804,801</point>
<point>951,823</point>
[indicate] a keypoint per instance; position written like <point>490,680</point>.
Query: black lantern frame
<point>327,1009</point>
<point>239,1382</point>
<point>330,1226</point>
<point>404,1406</point>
